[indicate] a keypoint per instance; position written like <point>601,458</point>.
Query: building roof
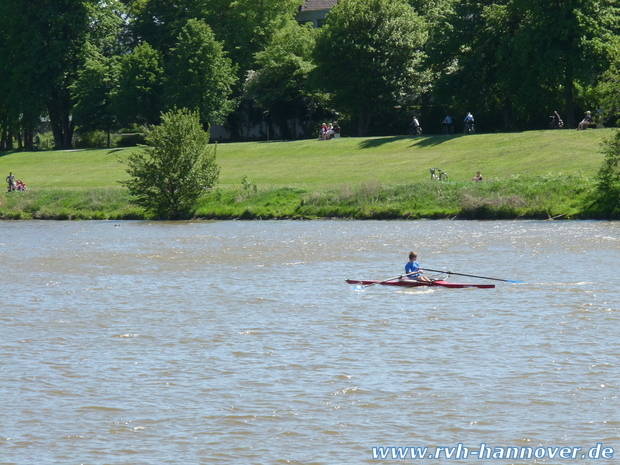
<point>317,5</point>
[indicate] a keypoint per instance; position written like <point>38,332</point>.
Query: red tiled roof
<point>315,5</point>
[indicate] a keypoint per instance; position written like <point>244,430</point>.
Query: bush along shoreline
<point>546,197</point>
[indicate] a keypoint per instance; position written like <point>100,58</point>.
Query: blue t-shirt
<point>412,267</point>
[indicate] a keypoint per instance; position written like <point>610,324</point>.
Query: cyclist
<point>448,128</point>
<point>469,122</point>
<point>556,121</point>
<point>416,126</point>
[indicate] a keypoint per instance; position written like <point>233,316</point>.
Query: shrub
<point>170,177</point>
<point>608,178</point>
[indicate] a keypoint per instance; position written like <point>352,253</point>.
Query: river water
<point>240,342</point>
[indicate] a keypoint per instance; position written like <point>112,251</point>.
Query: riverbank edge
<point>539,198</point>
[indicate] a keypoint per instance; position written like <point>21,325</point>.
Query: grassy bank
<point>538,174</point>
<point>537,197</point>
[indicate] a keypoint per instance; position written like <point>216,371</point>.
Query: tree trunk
<point>570,104</point>
<point>60,119</point>
<point>364,121</point>
<point>509,120</point>
<point>28,139</point>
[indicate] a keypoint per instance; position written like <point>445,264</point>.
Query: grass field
<point>389,160</point>
<point>312,164</point>
<point>346,177</point>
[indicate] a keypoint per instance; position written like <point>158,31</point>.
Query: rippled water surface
<point>240,342</point>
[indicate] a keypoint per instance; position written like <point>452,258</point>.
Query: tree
<point>608,185</point>
<point>564,46</point>
<point>522,59</point>
<point>42,44</point>
<point>247,27</point>
<point>169,177</point>
<point>38,49</point>
<point>137,98</point>
<point>280,85</point>
<point>368,57</point>
<point>93,91</point>
<point>244,27</point>
<point>465,61</point>
<point>199,75</point>
<point>608,91</point>
<point>60,29</point>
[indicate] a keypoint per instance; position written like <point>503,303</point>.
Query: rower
<point>412,268</point>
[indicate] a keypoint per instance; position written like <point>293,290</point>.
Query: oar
<point>472,275</point>
<point>390,279</point>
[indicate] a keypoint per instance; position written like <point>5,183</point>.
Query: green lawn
<point>313,164</point>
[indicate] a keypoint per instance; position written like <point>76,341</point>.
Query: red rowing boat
<point>413,283</point>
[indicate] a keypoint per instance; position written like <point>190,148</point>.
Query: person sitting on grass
<point>323,132</point>
<point>336,129</point>
<point>585,122</point>
<point>330,131</point>
<point>478,177</point>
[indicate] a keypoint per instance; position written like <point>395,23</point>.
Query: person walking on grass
<point>10,179</point>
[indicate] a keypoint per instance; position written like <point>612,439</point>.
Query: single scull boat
<point>414,283</point>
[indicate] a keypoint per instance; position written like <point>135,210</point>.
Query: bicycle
<point>556,124</point>
<point>437,174</point>
<point>447,129</point>
<point>415,130</point>
<point>469,128</point>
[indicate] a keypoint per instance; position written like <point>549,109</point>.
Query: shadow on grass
<point>432,141</point>
<point>378,142</point>
<point>419,141</point>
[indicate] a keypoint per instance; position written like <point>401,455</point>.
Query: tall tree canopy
<point>521,58</point>
<point>93,92</point>
<point>368,56</point>
<point>137,98</point>
<point>44,40</point>
<point>99,64</point>
<point>244,27</point>
<point>200,76</point>
<point>280,84</point>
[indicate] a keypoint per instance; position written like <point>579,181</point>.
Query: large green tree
<point>564,45</point>
<point>608,185</point>
<point>368,57</point>
<point>199,75</point>
<point>137,98</point>
<point>59,31</point>
<point>247,27</point>
<point>464,57</point>
<point>42,44</point>
<point>243,27</point>
<point>521,59</point>
<point>93,92</point>
<point>280,84</point>
<point>608,91</point>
